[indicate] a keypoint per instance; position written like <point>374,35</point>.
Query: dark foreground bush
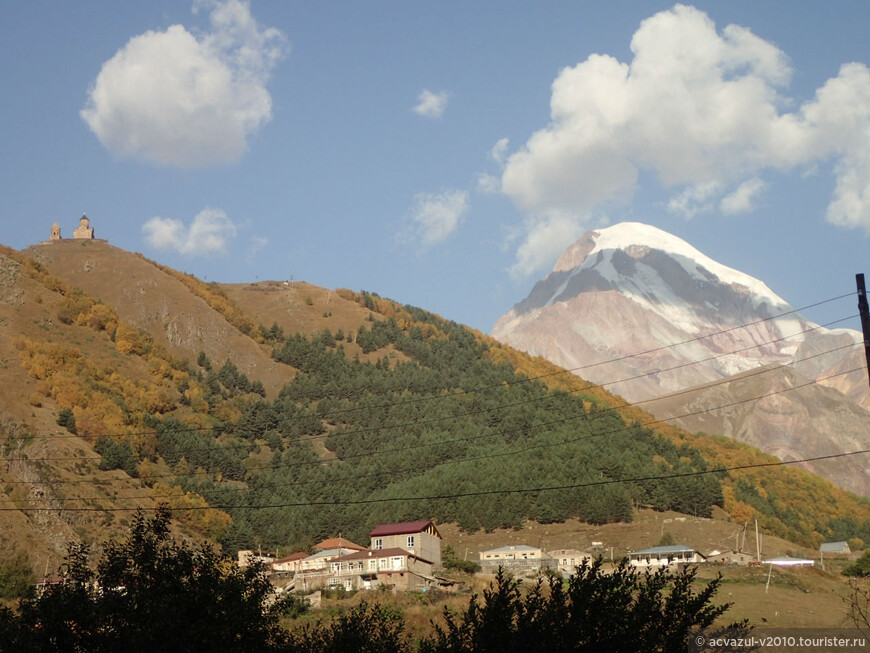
<point>149,593</point>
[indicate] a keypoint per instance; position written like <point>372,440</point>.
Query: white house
<point>568,559</point>
<point>665,556</point>
<point>516,557</point>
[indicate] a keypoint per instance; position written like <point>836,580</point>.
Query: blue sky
<point>441,154</point>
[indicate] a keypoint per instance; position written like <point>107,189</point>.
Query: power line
<point>478,493</point>
<point>546,397</point>
<point>758,371</point>
<point>488,456</point>
<point>606,362</point>
<point>224,427</point>
<point>512,452</point>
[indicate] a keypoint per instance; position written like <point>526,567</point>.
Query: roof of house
<point>401,528</point>
<point>338,543</point>
<point>569,552</point>
<point>328,553</point>
<point>513,547</point>
<point>729,552</point>
<point>834,547</point>
<point>290,558</point>
<point>659,550</point>
<point>378,553</point>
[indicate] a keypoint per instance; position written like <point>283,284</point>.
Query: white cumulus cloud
<point>431,105</point>
<point>704,112</point>
<point>547,238</point>
<point>434,216</point>
<point>694,199</point>
<point>185,99</point>
<point>488,184</point>
<point>742,199</point>
<point>207,235</point>
<point>499,150</point>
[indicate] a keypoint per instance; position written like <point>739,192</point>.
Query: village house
<point>729,557</point>
<point>420,538</point>
<point>402,556</point>
<point>515,558</point>
<point>835,549</point>
<point>289,564</point>
<point>568,559</point>
<point>665,556</point>
<point>321,559</point>
<point>363,570</point>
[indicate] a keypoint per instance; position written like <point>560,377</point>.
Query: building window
<point>411,541</point>
<point>379,543</point>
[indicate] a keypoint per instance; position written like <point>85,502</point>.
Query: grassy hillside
<point>274,415</point>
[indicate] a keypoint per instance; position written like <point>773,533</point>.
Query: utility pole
<point>864,312</point>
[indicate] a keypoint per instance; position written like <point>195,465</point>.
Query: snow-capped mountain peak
<point>633,288</point>
<point>645,314</point>
<point>635,239</point>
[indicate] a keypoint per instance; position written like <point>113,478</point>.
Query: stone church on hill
<point>83,232</point>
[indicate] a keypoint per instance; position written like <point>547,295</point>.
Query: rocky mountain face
<point>649,317</point>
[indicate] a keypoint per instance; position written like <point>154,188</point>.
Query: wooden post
<point>864,312</point>
<point>757,545</point>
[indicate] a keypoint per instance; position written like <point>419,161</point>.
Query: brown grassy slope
<point>301,307</point>
<point>297,307</point>
<point>160,304</point>
<point>28,309</point>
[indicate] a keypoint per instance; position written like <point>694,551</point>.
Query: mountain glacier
<point>643,312</point>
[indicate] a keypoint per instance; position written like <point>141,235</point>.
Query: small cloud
<point>207,235</point>
<point>545,239</point>
<point>434,216</point>
<point>741,200</point>
<point>488,184</point>
<point>187,99</point>
<point>431,105</point>
<point>499,150</point>
<point>694,200</point>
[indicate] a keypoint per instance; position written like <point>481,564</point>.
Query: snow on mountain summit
<point>636,237</point>
<point>632,288</point>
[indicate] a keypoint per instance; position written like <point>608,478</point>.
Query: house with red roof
<point>364,570</point>
<point>338,543</point>
<point>419,538</point>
